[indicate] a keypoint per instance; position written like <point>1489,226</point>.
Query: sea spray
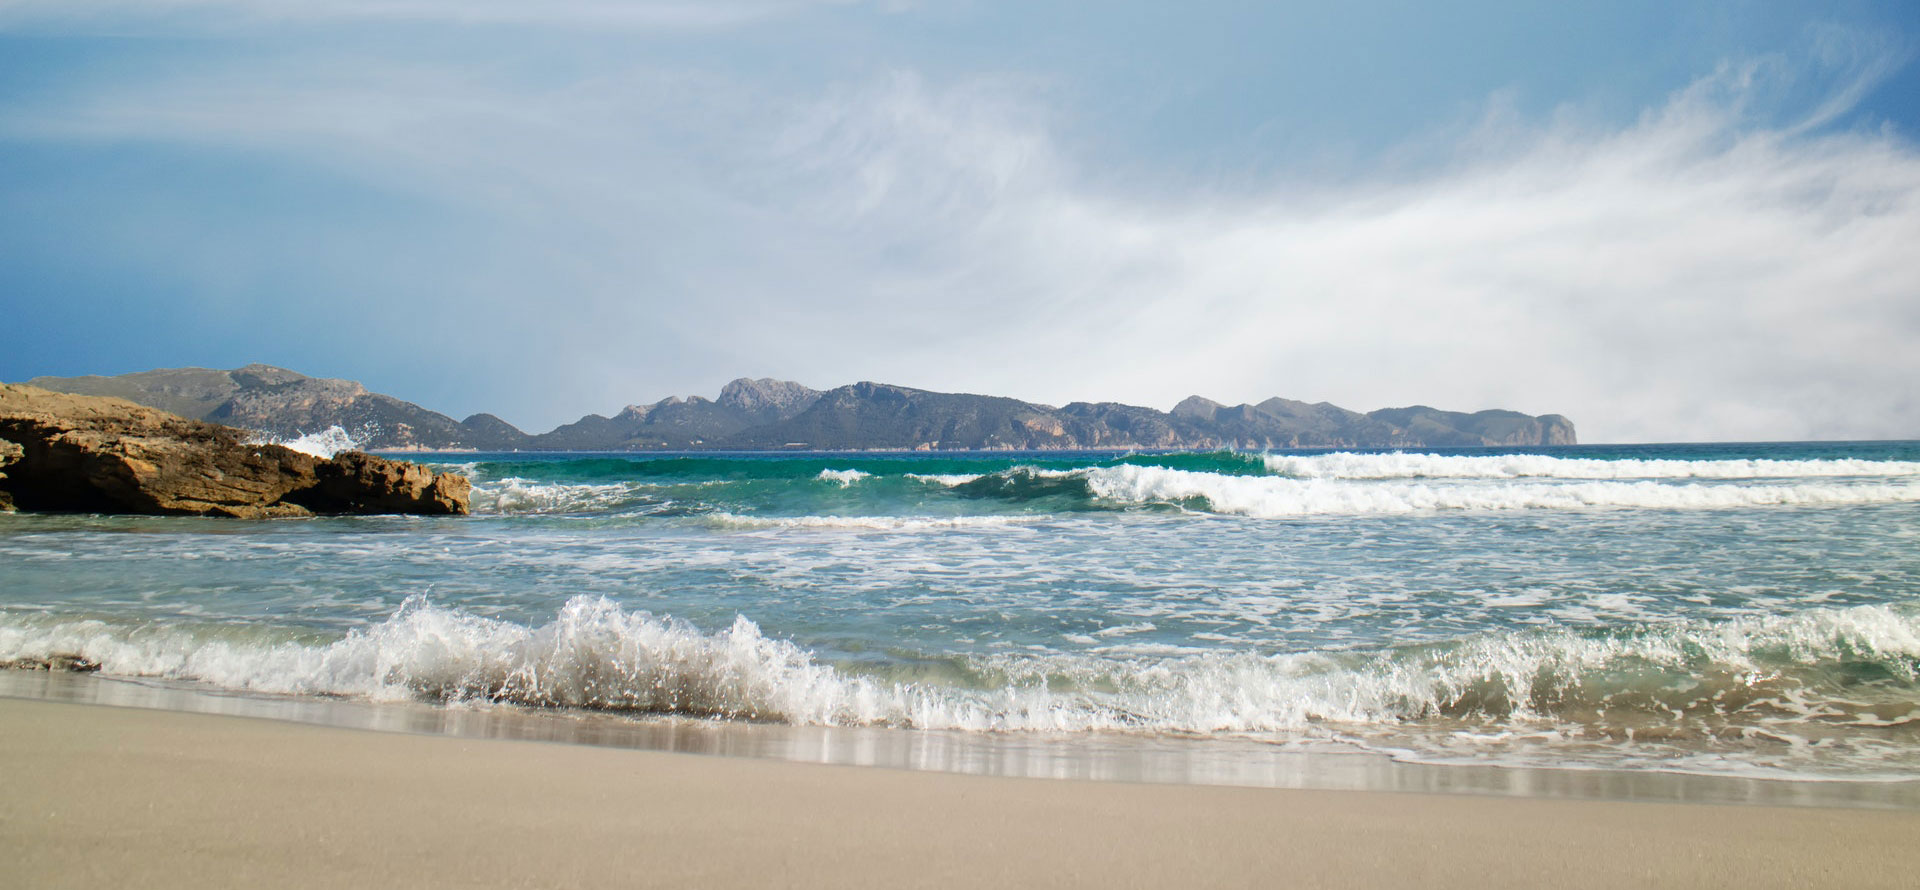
<point>323,444</point>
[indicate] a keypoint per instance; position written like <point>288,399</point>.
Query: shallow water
<point>1739,610</point>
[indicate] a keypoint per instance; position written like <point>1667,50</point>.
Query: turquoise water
<point>1730,609</point>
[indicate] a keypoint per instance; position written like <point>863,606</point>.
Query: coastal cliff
<point>74,453</point>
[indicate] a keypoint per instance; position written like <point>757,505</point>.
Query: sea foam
<point>843,478</point>
<point>515,495</point>
<point>1271,497</point>
<point>868,523</point>
<point>595,654</point>
<point>1347,465</point>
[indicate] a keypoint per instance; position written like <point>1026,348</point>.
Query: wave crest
<point>1348,465</point>
<point>1273,497</point>
<point>1851,666</point>
<point>843,478</point>
<point>513,495</point>
<point>870,523</point>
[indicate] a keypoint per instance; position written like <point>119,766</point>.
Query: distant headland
<point>767,414</point>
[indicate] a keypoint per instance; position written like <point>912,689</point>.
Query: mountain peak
<point>1197,407</point>
<point>783,398</point>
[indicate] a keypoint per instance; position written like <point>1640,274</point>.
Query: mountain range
<point>769,414</point>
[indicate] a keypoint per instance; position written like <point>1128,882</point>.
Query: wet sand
<point>96,797</point>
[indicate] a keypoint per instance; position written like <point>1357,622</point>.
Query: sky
<point>1669,222</point>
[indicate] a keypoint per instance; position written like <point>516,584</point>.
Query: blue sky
<point>1669,225</point>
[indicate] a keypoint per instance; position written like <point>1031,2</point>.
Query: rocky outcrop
<point>361,483</point>
<point>9,453</point>
<point>108,455</point>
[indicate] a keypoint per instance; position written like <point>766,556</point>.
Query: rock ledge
<point>95,454</point>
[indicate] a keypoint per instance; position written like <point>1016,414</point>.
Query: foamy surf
<point>1274,497</point>
<point>1745,692</point>
<point>864,523</point>
<point>1222,484</point>
<point>1347,465</point>
<point>842,478</point>
<point>944,480</point>
<point>513,495</point>
<point>1690,610</point>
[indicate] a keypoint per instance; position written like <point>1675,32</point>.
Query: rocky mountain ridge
<point>767,414</point>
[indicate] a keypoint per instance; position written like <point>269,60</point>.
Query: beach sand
<point>101,797</point>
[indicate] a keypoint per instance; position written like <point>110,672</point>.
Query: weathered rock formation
<point>108,455</point>
<point>361,483</point>
<point>9,453</point>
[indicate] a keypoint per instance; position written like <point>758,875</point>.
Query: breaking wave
<point>1827,674</point>
<point>1272,497</point>
<point>524,496</point>
<point>883,493</point>
<point>944,480</point>
<point>1347,465</point>
<point>843,478</point>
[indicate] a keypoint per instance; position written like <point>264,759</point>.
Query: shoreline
<point>1119,758</point>
<point>112,796</point>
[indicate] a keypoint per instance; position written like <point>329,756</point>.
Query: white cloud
<point>1693,275</point>
<point>1702,272</point>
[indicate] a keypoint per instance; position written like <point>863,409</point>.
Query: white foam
<point>594,654</point>
<point>1272,497</point>
<point>947,480</point>
<point>1346,465</point>
<point>323,444</point>
<point>515,495</point>
<point>843,477</point>
<point>874,523</point>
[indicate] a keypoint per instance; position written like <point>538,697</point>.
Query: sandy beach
<point>101,797</point>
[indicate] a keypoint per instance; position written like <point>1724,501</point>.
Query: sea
<point>1732,620</point>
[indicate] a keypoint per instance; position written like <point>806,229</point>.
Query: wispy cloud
<point>1705,271</point>
<point>1696,274</point>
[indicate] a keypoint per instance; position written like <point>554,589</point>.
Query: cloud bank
<point>1714,269</point>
